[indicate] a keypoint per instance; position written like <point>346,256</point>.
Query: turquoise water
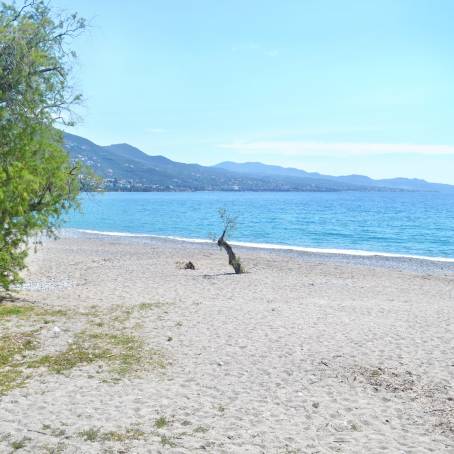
<point>403,223</point>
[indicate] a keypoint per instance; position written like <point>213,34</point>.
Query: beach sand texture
<point>129,353</point>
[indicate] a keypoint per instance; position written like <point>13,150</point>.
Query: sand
<point>303,354</point>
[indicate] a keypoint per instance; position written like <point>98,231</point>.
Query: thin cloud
<point>297,148</point>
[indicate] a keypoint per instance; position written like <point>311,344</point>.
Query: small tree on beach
<point>38,182</point>
<point>229,223</point>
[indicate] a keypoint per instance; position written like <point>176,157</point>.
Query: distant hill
<point>406,184</point>
<point>257,168</point>
<point>126,168</point>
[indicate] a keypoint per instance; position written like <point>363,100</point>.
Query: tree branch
<point>19,13</point>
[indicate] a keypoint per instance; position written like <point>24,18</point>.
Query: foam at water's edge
<point>351,252</point>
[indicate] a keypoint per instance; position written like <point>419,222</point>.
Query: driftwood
<point>234,261</point>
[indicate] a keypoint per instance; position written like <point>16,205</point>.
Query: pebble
<point>56,330</point>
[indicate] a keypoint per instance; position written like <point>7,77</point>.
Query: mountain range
<point>126,168</point>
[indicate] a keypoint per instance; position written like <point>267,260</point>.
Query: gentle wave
<point>351,252</point>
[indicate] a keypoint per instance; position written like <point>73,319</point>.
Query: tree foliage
<point>229,222</point>
<point>38,182</point>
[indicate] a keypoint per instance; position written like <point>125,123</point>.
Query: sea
<point>408,224</point>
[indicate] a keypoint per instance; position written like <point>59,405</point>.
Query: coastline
<point>303,353</point>
<point>366,258</point>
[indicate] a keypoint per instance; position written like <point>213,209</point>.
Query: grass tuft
<point>11,347</point>
<point>129,434</point>
<point>94,435</point>
<point>124,353</point>
<point>90,434</point>
<point>167,441</point>
<point>27,311</point>
<point>75,355</point>
<point>10,379</point>
<point>9,310</point>
<point>19,444</point>
<point>161,422</point>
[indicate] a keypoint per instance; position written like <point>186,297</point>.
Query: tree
<point>229,223</point>
<point>38,182</point>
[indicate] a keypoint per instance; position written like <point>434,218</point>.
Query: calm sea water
<point>403,223</point>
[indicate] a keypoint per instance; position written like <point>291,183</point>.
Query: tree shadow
<point>209,276</point>
<point>10,298</point>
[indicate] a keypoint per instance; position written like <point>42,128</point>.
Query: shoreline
<point>406,262</point>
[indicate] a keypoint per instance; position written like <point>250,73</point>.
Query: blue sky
<point>338,87</point>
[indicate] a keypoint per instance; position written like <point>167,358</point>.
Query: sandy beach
<point>118,349</point>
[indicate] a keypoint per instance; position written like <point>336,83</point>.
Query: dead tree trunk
<point>234,261</point>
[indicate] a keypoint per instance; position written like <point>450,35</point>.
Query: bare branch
<point>19,13</point>
<point>58,69</point>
